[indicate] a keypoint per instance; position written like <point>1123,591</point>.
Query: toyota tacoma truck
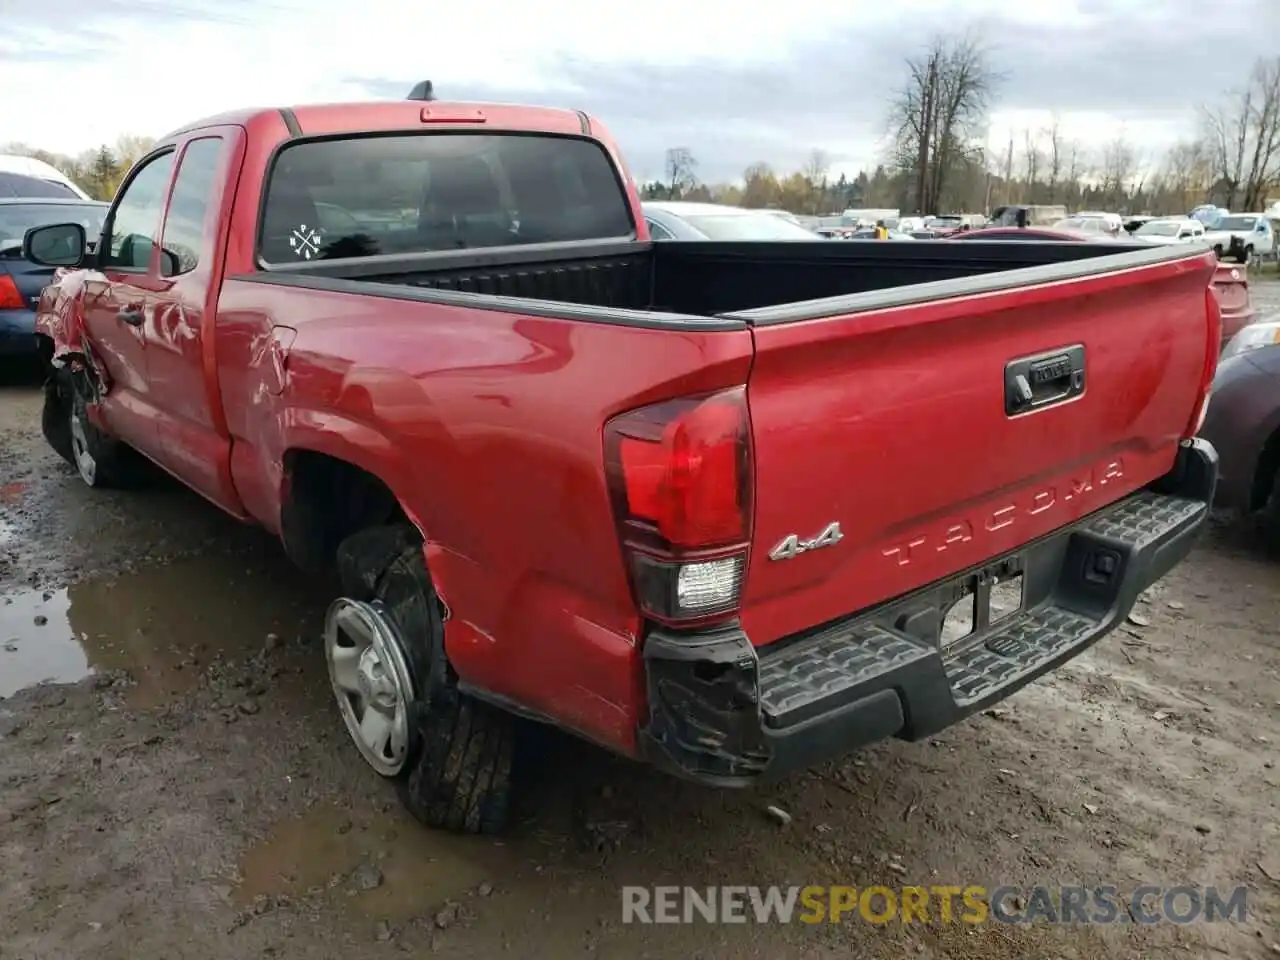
<point>730,508</point>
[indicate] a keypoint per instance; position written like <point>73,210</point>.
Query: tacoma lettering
<point>1034,504</point>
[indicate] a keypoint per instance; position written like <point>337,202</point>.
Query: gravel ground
<point>189,791</point>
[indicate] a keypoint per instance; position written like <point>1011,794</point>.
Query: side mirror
<point>56,245</point>
<point>170,266</point>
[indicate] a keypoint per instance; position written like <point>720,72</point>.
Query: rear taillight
<point>10,298</point>
<point>680,478</point>
<point>1213,311</point>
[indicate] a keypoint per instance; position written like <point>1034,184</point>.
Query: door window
<point>657,231</point>
<point>189,206</point>
<point>135,222</point>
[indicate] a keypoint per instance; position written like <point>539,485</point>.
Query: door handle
<point>1031,383</point>
<point>130,315</point>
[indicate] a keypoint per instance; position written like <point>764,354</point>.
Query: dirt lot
<point>189,791</point>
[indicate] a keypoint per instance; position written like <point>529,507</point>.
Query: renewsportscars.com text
<point>1148,904</point>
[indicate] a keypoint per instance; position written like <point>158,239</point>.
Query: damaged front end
<point>704,706</point>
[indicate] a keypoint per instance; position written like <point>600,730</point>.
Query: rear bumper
<point>1233,322</point>
<point>723,713</point>
<point>18,333</point>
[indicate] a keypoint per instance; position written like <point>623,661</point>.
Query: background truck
<point>728,507</point>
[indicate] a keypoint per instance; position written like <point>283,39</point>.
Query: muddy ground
<point>190,792</point>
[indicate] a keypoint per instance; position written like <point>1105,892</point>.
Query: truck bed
<point>764,281</point>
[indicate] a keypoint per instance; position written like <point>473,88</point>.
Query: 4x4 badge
<point>792,546</point>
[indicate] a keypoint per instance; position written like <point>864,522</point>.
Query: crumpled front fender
<point>60,318</point>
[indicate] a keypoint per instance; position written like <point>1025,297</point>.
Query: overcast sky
<point>732,85</point>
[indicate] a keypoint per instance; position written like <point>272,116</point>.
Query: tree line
<point>940,160</point>
<point>97,171</point>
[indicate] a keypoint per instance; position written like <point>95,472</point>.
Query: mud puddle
<point>162,625</point>
<point>36,644</point>
<point>380,865</point>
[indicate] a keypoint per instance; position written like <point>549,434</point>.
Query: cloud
<point>733,87</point>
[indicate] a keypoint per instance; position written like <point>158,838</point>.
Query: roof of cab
<point>323,119</point>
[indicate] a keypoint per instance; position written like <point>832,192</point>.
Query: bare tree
<point>1031,157</point>
<point>1187,173</point>
<point>681,172</point>
<point>1008,172</point>
<point>1119,164</point>
<point>936,117</point>
<point>1053,136</point>
<point>814,173</point>
<point>1243,136</point>
<point>816,166</point>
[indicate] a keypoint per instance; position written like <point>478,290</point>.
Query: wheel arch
<point>325,497</point>
<point>1266,471</point>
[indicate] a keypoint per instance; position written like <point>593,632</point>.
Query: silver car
<point>682,220</point>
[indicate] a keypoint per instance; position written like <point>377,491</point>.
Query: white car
<point>39,170</point>
<point>1240,236</point>
<point>1174,230</point>
<point>685,220</point>
<point>1102,226</point>
<point>1114,223</point>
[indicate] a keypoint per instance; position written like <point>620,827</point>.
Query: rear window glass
<point>17,218</point>
<point>370,196</point>
<point>31,188</point>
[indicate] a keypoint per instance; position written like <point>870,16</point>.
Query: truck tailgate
<point>908,426</point>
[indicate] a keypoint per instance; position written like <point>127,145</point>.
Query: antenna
<point>422,91</point>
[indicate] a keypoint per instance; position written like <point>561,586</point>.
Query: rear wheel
<point>55,418</point>
<point>449,754</point>
<point>99,458</point>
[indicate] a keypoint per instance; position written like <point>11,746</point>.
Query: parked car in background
<point>945,225</point>
<point>1207,213</point>
<point>869,233</point>
<point>21,280</point>
<point>1133,223</point>
<point>1230,284</point>
<point>1027,215</point>
<point>786,215</point>
<point>1243,420</point>
<point>683,220</point>
<point>1111,223</point>
<point>1081,223</point>
<point>1025,234</point>
<point>1243,237</point>
<point>1169,231</point>
<point>54,183</point>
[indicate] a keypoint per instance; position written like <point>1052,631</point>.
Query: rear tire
<point>101,460</point>
<point>55,418</point>
<point>456,769</point>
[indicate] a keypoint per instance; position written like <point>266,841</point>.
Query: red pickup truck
<point>727,507</point>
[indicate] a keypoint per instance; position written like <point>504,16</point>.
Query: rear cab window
<point>374,195</point>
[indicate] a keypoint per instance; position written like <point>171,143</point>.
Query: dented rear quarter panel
<point>488,428</point>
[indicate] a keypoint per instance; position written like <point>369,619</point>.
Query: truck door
<point>194,443</point>
<point>119,299</point>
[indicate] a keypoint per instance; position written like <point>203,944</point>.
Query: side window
<point>189,206</point>
<point>135,223</point>
<point>657,231</point>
